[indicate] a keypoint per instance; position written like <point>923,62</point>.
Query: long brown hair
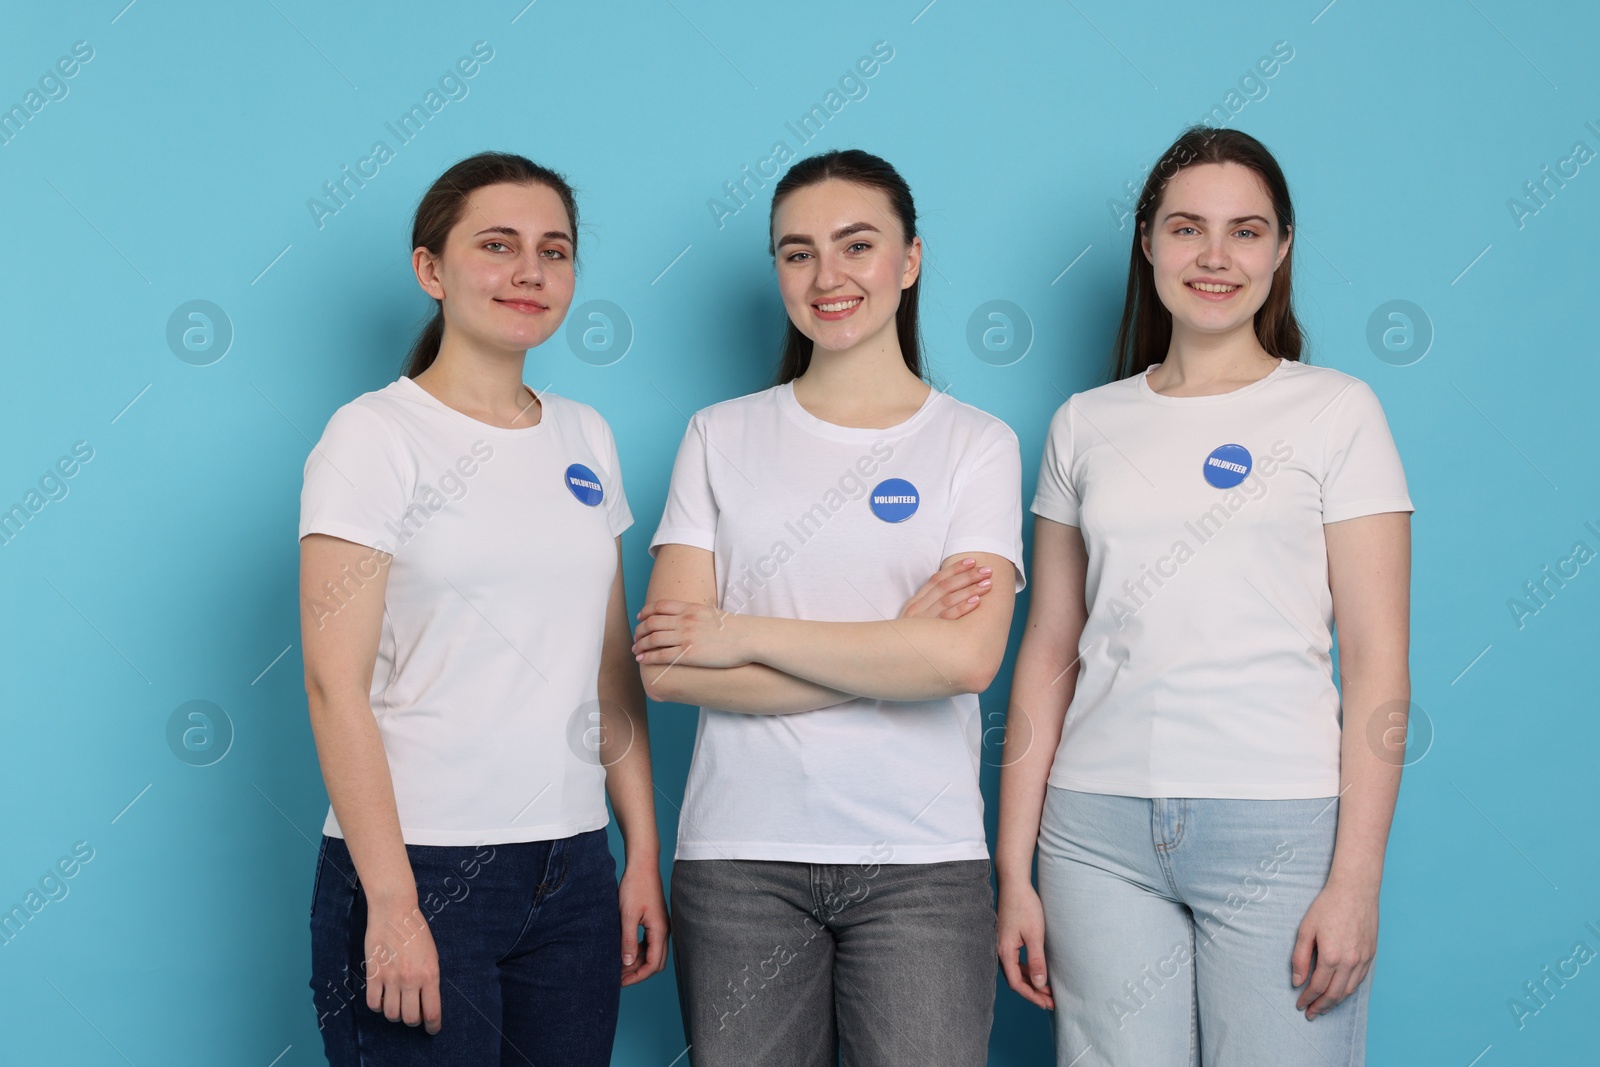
<point>1146,329</point>
<point>441,208</point>
<point>862,168</point>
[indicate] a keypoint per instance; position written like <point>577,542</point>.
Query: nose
<point>830,273</point>
<point>1214,253</point>
<point>530,271</point>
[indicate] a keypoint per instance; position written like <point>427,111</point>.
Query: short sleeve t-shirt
<point>810,520</point>
<point>504,555</point>
<point>1205,665</point>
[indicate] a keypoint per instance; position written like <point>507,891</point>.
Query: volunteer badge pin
<point>1227,466</point>
<point>894,500</point>
<point>584,484</point>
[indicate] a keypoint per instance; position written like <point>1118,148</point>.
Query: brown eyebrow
<point>1231,222</point>
<point>511,231</point>
<point>837,235</point>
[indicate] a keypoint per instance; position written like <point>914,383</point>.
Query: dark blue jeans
<point>530,956</point>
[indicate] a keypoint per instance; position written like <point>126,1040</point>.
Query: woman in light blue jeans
<point>1209,809</point>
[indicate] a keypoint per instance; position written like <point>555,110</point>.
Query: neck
<point>866,376</point>
<point>1197,358</point>
<point>475,377</point>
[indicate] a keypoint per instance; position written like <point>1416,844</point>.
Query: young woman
<point>468,670</point>
<point>1210,811</point>
<point>831,887</point>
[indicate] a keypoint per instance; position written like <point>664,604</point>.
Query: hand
<point>1020,915</point>
<point>1342,924</point>
<point>402,966</point>
<point>696,635</point>
<point>643,904</point>
<point>952,592</point>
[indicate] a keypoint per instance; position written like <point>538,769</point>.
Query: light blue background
<point>178,168</point>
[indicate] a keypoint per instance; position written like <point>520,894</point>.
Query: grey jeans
<point>794,964</point>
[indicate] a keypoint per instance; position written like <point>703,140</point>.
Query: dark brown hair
<point>441,208</point>
<point>1146,329</point>
<point>862,168</point>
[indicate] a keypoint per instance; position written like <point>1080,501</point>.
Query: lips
<point>527,307</point>
<point>832,310</point>
<point>1212,290</point>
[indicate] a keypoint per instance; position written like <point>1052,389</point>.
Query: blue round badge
<point>894,500</point>
<point>585,484</point>
<point>1227,466</point>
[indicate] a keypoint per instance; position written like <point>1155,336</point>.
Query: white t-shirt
<point>1205,666</point>
<point>809,520</point>
<point>494,615</point>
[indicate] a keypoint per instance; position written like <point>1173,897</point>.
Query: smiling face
<point>1213,242</point>
<point>505,276</point>
<point>842,261</point>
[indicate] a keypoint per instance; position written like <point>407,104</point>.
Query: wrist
<point>1013,873</point>
<point>1365,880</point>
<point>748,636</point>
<point>647,857</point>
<point>391,900</point>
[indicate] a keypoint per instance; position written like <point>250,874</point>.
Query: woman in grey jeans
<point>831,886</point>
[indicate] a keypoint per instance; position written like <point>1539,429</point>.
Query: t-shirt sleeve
<point>1362,474</point>
<point>618,515</point>
<point>690,517</point>
<point>355,480</point>
<point>1056,497</point>
<point>986,514</point>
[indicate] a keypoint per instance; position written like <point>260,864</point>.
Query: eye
<point>857,245</point>
<point>1247,231</point>
<point>490,245</point>
<point>795,257</point>
<point>1181,229</point>
<point>554,253</point>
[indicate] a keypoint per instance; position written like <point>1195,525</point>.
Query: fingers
<point>656,945</point>
<point>630,940</point>
<point>663,607</point>
<point>1345,981</point>
<point>432,1007</point>
<point>1321,981</point>
<point>1037,975</point>
<point>652,949</point>
<point>1022,984</point>
<point>1333,992</point>
<point>1300,959</point>
<point>392,997</point>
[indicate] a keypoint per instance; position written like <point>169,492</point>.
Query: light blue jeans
<point>1169,924</point>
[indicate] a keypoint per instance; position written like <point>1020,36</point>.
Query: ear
<point>913,269</point>
<point>426,267</point>
<point>1144,243</point>
<point>1283,249</point>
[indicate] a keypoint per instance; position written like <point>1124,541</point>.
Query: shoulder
<point>739,409</point>
<point>1325,382</point>
<point>1326,389</point>
<point>979,425</point>
<point>567,411</point>
<point>372,414</point>
<point>1094,401</point>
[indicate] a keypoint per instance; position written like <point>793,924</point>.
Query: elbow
<point>658,684</point>
<point>979,673</point>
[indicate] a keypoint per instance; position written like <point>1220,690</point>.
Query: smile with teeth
<point>1208,287</point>
<point>838,305</point>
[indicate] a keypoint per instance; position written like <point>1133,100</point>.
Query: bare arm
<point>896,659</point>
<point>1045,677</point>
<point>687,574</point>
<point>1369,574</point>
<point>625,754</point>
<point>340,642</point>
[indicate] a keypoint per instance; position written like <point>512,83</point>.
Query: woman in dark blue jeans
<point>469,675</point>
